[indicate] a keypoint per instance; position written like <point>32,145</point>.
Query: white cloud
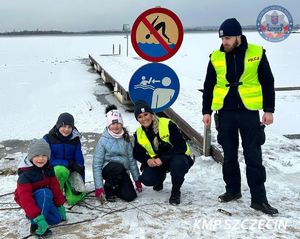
<point>83,15</point>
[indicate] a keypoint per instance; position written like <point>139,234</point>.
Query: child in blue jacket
<point>113,160</point>
<point>66,157</point>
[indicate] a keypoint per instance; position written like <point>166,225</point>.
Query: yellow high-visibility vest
<point>164,134</point>
<point>249,86</point>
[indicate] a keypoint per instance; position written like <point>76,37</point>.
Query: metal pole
<point>207,140</point>
<point>127,44</point>
<point>126,29</point>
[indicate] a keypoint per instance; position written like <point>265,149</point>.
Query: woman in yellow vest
<point>160,148</point>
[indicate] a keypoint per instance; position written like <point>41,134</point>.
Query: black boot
<point>175,195</point>
<point>47,233</point>
<point>227,197</point>
<point>109,192</point>
<point>160,186</point>
<point>33,228</point>
<point>111,198</point>
<point>265,208</point>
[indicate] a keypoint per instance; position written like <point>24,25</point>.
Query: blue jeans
<point>44,200</point>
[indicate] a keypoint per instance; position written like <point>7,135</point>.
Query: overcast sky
<point>84,15</point>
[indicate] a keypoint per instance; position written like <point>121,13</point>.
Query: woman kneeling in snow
<point>160,147</point>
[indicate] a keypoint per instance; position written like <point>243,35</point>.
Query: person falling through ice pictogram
<point>157,27</point>
<point>160,96</point>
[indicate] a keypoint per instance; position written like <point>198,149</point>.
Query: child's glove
<point>62,212</point>
<point>100,194</point>
<point>138,186</point>
<point>42,224</point>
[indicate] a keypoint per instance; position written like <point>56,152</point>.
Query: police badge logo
<point>274,23</point>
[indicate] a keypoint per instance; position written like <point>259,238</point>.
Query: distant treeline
<point>245,28</point>
<point>97,32</point>
<point>53,32</point>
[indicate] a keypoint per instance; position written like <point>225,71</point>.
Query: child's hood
<point>25,164</point>
<point>75,133</point>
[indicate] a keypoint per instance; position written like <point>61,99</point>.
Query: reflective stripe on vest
<point>249,88</point>
<point>164,134</point>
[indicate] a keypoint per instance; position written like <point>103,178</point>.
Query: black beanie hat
<point>141,107</point>
<point>230,27</point>
<point>65,119</point>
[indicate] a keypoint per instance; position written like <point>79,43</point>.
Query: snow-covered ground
<point>43,76</point>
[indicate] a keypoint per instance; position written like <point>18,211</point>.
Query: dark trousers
<point>44,199</point>
<point>176,164</point>
<point>118,182</point>
<point>247,123</point>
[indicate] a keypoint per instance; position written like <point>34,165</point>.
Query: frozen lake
<point>46,74</point>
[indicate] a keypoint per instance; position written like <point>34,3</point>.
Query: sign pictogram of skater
<point>157,34</point>
<point>155,83</point>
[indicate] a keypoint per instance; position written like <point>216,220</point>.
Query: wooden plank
<point>92,60</point>
<point>292,136</point>
<point>287,88</point>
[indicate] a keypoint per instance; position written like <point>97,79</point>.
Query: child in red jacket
<point>38,191</point>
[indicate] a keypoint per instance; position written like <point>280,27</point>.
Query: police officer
<point>160,148</point>
<point>238,84</point>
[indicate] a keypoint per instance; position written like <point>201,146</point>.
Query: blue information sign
<point>155,83</point>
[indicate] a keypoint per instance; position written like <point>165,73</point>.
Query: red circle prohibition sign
<point>154,28</point>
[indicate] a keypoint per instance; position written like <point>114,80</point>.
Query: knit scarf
<point>114,135</point>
